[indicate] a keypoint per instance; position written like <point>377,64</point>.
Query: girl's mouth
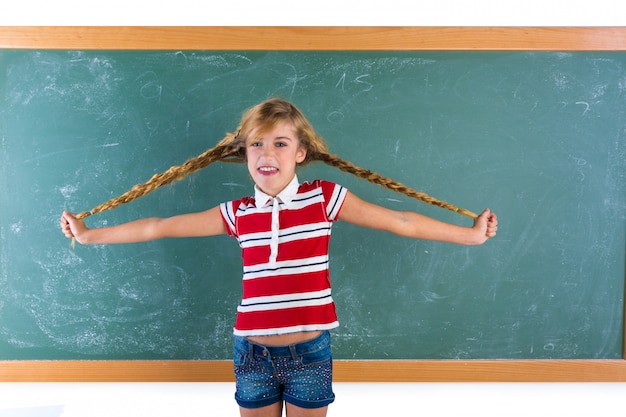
<point>267,170</point>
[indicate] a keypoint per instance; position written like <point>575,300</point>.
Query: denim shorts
<point>300,374</point>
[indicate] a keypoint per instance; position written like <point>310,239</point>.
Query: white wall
<point>353,399</point>
<point>325,12</point>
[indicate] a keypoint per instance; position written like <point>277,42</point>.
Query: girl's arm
<point>204,223</point>
<point>415,225</point>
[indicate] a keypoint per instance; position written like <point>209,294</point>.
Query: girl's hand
<point>71,226</point>
<point>486,224</point>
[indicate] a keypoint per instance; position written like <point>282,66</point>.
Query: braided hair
<point>232,148</point>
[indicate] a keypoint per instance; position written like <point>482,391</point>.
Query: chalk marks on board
<point>75,309</point>
<point>539,137</point>
<point>151,88</point>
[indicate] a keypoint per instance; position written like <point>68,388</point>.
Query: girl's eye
<point>280,144</point>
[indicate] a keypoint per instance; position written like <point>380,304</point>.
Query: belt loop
<point>294,353</point>
<point>250,349</point>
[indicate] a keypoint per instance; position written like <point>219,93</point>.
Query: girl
<point>282,343</point>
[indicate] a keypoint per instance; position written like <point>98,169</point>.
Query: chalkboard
<point>537,137</point>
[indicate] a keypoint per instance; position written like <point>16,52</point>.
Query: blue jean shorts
<point>300,374</point>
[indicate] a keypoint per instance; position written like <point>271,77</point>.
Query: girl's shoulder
<point>327,188</point>
<point>318,183</point>
<point>333,195</point>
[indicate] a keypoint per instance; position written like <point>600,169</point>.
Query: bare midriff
<point>283,339</point>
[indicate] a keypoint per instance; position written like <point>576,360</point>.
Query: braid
<point>222,153</point>
<point>349,167</point>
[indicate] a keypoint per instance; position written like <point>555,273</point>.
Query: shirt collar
<point>285,196</point>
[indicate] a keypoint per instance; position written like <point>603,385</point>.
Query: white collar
<point>285,196</point>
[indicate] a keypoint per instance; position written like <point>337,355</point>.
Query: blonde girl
<point>282,343</point>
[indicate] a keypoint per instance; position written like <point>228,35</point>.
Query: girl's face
<point>272,157</point>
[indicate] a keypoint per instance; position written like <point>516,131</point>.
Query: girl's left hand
<point>487,223</point>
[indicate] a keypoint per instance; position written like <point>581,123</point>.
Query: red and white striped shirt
<point>284,243</point>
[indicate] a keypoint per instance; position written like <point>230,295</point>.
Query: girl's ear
<point>300,154</point>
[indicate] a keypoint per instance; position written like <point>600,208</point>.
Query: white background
<point>316,13</point>
<point>353,399</point>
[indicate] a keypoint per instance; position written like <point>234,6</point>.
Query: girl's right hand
<point>71,226</point>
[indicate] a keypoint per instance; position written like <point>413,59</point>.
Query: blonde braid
<point>232,149</point>
<point>224,151</point>
<point>374,178</point>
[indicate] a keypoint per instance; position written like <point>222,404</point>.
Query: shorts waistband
<point>293,350</point>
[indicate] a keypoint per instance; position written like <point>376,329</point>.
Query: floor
<point>353,399</point>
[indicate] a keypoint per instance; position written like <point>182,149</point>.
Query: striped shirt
<point>284,242</point>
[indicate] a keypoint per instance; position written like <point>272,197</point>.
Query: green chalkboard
<point>538,137</point>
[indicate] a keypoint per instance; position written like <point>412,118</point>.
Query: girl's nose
<point>268,150</point>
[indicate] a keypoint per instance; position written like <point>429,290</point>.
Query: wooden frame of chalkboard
<point>320,38</point>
